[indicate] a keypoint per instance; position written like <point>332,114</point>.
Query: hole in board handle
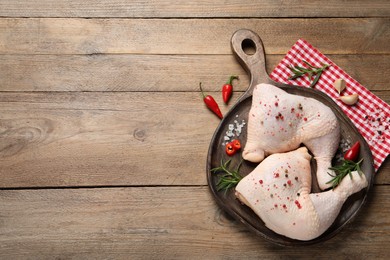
<point>248,46</point>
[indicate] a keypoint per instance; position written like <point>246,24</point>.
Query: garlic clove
<point>339,85</point>
<point>350,99</point>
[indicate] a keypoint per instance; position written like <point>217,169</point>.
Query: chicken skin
<point>278,191</point>
<point>280,122</point>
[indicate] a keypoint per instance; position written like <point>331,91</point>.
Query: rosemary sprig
<point>346,168</point>
<point>310,71</point>
<point>230,178</point>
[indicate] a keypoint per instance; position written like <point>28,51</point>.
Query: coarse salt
<point>234,130</point>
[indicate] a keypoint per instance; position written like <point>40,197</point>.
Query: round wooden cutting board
<point>254,64</point>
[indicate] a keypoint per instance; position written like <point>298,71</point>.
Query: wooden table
<point>104,136</point>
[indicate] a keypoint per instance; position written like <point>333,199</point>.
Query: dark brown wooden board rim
<point>255,64</point>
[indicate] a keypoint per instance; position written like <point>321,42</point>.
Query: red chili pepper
<point>227,89</point>
<point>353,153</point>
<point>236,144</point>
<point>211,103</point>
<point>230,149</point>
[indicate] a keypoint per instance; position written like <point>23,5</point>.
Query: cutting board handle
<point>253,63</point>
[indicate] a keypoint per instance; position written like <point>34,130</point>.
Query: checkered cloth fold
<point>371,115</point>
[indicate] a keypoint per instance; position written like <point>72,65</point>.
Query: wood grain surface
<point>152,222</point>
<point>171,73</point>
<point>104,136</point>
<point>188,36</point>
<point>203,9</point>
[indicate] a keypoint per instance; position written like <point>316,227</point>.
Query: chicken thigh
<point>280,122</point>
<point>278,191</point>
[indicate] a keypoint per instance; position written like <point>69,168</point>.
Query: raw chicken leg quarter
<point>278,191</point>
<point>281,122</point>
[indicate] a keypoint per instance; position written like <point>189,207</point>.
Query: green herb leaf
<point>230,178</point>
<point>316,79</point>
<point>346,168</point>
<point>311,70</point>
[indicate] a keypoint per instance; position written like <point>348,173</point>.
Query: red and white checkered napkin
<point>371,115</point>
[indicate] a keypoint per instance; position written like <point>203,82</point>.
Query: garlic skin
<point>350,99</point>
<point>339,85</point>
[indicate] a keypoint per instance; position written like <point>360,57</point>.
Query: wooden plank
<point>162,222</point>
<point>183,8</point>
<point>156,72</point>
<point>188,36</point>
<point>50,139</point>
<point>98,138</point>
